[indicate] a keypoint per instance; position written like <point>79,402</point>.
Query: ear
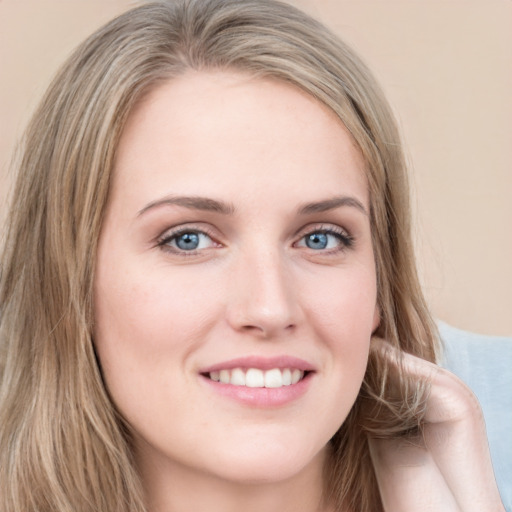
<point>376,318</point>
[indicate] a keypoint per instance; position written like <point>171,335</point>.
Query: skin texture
<point>448,468</point>
<point>272,167</point>
<point>253,287</point>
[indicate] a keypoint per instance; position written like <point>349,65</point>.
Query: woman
<point>208,245</point>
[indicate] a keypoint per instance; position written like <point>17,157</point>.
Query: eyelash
<point>345,239</point>
<point>168,237</point>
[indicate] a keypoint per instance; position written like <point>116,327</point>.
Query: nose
<point>263,300</point>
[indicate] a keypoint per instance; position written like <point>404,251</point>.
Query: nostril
<point>267,330</point>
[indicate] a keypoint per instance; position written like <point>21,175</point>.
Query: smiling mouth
<point>256,378</point>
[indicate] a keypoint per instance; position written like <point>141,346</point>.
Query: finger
<point>409,479</point>
<point>453,434</point>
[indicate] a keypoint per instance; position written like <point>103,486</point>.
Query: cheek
<point>342,314</point>
<point>149,324</point>
<point>145,331</point>
<point>151,313</point>
<point>343,304</point>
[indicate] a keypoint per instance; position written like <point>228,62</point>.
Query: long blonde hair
<point>63,445</point>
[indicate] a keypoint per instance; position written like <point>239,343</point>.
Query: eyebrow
<point>193,203</point>
<point>331,204</point>
<point>213,205</point>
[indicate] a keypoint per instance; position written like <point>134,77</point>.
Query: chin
<point>272,463</point>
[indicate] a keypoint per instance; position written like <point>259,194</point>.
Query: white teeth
<point>237,377</point>
<point>256,378</point>
<point>273,378</point>
<point>225,376</point>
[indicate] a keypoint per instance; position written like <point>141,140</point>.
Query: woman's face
<point>235,293</point>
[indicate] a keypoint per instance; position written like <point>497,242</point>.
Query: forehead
<point>227,131</point>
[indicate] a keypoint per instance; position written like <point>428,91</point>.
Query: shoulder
<point>484,363</point>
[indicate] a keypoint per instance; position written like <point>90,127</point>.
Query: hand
<point>448,468</point>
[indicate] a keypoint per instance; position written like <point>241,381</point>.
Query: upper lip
<point>262,363</point>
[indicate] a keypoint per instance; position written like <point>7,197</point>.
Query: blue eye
<point>317,240</point>
<point>323,239</point>
<point>186,241</point>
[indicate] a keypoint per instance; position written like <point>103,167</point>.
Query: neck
<point>171,487</point>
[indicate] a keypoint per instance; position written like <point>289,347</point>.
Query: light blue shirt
<point>484,363</point>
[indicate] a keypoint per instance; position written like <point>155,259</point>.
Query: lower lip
<point>261,397</point>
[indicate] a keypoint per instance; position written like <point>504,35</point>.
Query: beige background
<point>447,68</point>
